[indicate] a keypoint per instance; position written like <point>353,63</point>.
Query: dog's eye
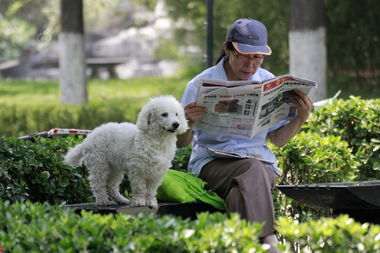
<point>176,114</point>
<point>164,114</point>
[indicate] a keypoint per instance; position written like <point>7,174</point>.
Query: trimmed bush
<point>356,121</point>
<point>309,158</point>
<point>34,171</point>
<point>341,234</point>
<point>26,119</point>
<point>26,227</point>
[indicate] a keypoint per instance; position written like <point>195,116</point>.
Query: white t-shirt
<point>204,140</point>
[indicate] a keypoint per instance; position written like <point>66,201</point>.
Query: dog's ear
<point>144,119</point>
<point>149,118</point>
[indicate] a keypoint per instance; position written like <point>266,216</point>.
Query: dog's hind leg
<point>98,170</point>
<point>114,180</point>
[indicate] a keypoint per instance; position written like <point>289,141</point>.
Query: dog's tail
<point>74,156</point>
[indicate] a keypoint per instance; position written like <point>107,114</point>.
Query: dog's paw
<point>138,202</point>
<point>152,203</point>
<point>104,202</point>
<point>123,201</point>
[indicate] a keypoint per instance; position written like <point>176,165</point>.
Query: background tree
<point>352,36</point>
<point>72,63</point>
<point>307,44</point>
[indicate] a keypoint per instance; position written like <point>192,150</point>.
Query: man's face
<point>243,66</point>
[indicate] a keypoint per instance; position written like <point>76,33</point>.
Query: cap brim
<point>249,49</point>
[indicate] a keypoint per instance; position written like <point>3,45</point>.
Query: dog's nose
<point>175,125</point>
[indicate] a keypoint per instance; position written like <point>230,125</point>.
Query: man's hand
<point>304,105</point>
<point>194,112</point>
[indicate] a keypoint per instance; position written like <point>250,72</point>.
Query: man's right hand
<point>194,112</point>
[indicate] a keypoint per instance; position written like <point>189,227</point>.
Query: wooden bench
<point>8,65</point>
<point>106,63</point>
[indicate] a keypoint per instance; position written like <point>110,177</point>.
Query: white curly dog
<point>144,152</point>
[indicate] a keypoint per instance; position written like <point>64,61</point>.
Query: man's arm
<point>193,113</point>
<point>282,135</point>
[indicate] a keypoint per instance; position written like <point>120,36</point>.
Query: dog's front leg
<point>152,186</point>
<point>138,190</point>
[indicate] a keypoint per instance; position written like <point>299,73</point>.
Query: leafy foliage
<point>357,122</point>
<point>310,158</point>
<point>41,227</point>
<point>27,227</point>
<point>274,14</point>
<point>14,33</point>
<point>26,119</point>
<point>356,68</point>
<point>362,42</point>
<point>342,234</point>
<point>34,171</point>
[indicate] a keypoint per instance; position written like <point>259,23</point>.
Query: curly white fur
<point>144,152</point>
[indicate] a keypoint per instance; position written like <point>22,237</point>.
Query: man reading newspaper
<point>233,109</point>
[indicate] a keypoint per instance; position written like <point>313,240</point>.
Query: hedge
<point>35,171</point>
<point>357,122</point>
<point>18,120</point>
<point>339,235</point>
<point>311,158</point>
<point>27,227</point>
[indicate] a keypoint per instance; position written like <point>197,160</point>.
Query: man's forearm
<point>184,140</point>
<point>282,135</point>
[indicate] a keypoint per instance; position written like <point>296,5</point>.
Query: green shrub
<point>181,159</point>
<point>26,119</point>
<point>356,121</point>
<point>341,234</point>
<point>34,171</point>
<point>26,227</point>
<point>309,158</point>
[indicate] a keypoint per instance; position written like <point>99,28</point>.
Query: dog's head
<point>162,115</point>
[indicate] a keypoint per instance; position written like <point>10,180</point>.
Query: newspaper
<point>245,108</point>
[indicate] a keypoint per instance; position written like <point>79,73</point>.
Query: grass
<point>140,89</point>
<point>47,92</point>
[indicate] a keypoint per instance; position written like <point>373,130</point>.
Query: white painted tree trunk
<point>307,44</point>
<point>72,67</point>
<point>308,54</point>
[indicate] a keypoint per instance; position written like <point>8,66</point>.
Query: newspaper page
<point>244,108</point>
<point>231,106</point>
<point>276,101</point>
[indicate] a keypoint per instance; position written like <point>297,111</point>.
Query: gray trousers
<point>246,185</point>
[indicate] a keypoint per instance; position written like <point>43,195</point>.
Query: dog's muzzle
<point>174,127</point>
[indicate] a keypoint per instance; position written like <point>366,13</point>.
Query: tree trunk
<point>307,43</point>
<point>72,56</point>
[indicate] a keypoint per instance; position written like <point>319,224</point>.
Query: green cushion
<point>185,187</point>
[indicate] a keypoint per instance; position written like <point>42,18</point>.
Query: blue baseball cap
<point>249,36</point>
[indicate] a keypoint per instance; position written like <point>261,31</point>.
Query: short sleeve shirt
<point>203,140</point>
